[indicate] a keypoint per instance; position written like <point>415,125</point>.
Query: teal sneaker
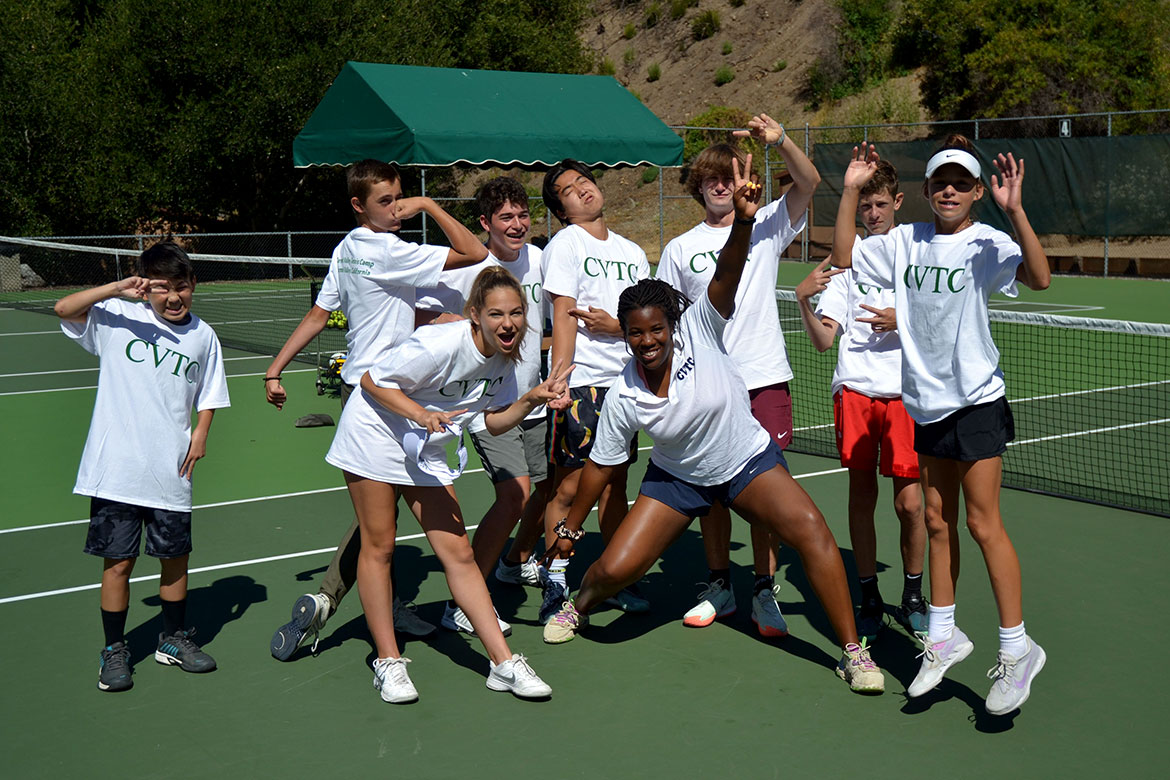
<point>178,650</point>
<point>911,614</point>
<point>629,599</point>
<point>870,619</point>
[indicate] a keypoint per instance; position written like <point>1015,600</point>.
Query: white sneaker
<point>391,679</point>
<point>859,670</point>
<point>1012,678</point>
<point>517,676</point>
<point>716,600</point>
<point>455,620</point>
<point>527,573</point>
<point>937,658</point>
<point>406,622</point>
<point>766,613</point>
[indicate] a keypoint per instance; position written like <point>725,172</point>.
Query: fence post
<point>661,214</point>
<point>1108,185</point>
<point>288,246</point>
<point>976,138</point>
<point>808,208</point>
<point>423,172</point>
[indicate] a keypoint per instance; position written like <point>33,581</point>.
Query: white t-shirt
<point>941,287</point>
<point>867,362</point>
<point>753,337</point>
<point>594,273</point>
<point>451,296</point>
<point>372,278</point>
<point>441,369</point>
<point>152,374</point>
<point>703,431</point>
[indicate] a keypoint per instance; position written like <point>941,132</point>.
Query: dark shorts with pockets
<point>115,530</point>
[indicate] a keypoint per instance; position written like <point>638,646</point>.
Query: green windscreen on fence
<point>1081,186</point>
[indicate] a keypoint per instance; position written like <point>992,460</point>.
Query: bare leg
<point>173,582</point>
<point>765,545</point>
<point>531,524</point>
<point>908,508</point>
<point>613,506</point>
<point>496,525</point>
<point>775,500</point>
<point>374,502</point>
<point>115,593</point>
<point>981,484</point>
<point>863,495</point>
<point>439,515</point>
<point>647,530</point>
<point>716,529</point>
<point>565,482</point>
<point>940,492</point>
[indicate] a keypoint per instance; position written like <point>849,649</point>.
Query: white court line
<point>96,368</point>
<point>1087,392</point>
<point>1056,436</point>
<point>32,333</point>
<point>286,556</point>
<point>94,387</point>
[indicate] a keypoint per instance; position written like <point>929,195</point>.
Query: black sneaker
<point>115,669</point>
<point>178,649</point>
<point>911,614</point>
<point>555,594</point>
<point>870,618</point>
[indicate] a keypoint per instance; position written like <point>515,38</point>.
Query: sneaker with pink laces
<point>859,670</point>
<point>564,625</point>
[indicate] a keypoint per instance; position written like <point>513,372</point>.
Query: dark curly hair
<point>652,292</point>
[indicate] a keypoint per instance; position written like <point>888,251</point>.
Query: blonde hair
<point>491,278</point>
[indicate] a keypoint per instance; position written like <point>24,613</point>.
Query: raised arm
<point>733,256</point>
<point>861,169</point>
<point>805,176</point>
<point>1008,193</point>
<point>310,326</point>
<point>466,249</point>
<point>75,307</point>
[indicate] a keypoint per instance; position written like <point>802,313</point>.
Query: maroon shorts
<point>874,433</point>
<point>772,408</point>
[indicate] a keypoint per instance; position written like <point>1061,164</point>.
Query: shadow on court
<point>209,609</point>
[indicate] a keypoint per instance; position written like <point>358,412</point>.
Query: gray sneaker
<point>178,650</point>
<point>309,614</point>
<point>1012,678</point>
<point>115,669</point>
<point>406,622</point>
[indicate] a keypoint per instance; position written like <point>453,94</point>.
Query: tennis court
<point>635,696</point>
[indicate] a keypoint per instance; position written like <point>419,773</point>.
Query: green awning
<point>441,116</point>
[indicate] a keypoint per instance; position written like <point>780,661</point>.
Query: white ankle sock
<point>556,573</point>
<point>1013,641</point>
<point>942,622</point>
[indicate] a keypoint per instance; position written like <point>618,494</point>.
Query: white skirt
<point>368,443</point>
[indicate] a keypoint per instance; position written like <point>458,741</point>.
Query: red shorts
<point>864,423</point>
<point>772,408</point>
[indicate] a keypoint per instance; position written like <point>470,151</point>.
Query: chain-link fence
<point>1089,191</point>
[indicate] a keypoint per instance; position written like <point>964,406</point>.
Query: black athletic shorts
<point>115,530</point>
<point>970,434</point>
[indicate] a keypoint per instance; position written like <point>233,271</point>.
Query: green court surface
<point>634,696</point>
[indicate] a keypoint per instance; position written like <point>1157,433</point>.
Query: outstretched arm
<point>733,256</point>
<point>404,406</point>
<point>805,177</point>
<point>310,326</point>
<point>594,478</point>
<point>556,386</point>
<point>861,169</point>
<point>1008,193</point>
<point>465,247</point>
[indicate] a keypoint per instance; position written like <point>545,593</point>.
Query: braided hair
<point>652,292</point>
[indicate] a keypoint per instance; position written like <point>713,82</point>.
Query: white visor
<point>956,156</point>
<point>413,442</point>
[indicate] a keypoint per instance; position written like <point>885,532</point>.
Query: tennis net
<point>1090,398</point>
<point>253,302</point>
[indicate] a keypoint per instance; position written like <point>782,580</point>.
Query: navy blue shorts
<point>696,500</point>
<point>115,530</point>
<point>970,434</point>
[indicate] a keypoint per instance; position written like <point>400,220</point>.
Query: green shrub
<point>649,175</point>
<point>629,31</point>
<point>779,66</point>
<point>695,141</point>
<point>654,72</point>
<point>726,48</point>
<point>606,68</point>
<point>724,75</point>
<point>628,56</point>
<point>678,8</point>
<point>653,14</point>
<point>705,24</point>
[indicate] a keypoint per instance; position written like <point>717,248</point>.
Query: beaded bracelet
<point>562,531</point>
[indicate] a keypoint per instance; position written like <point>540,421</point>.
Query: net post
<point>118,264</point>
<point>288,248</point>
<point>1108,186</point>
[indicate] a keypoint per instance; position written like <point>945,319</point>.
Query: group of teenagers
<point>447,340</point>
